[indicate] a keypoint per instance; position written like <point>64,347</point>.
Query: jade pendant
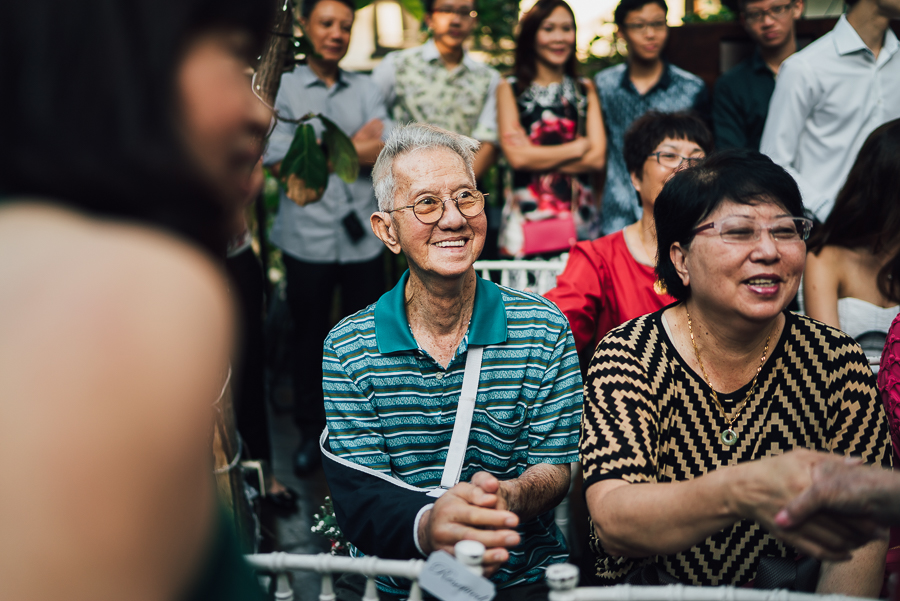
<point>728,437</point>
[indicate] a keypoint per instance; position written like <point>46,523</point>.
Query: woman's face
<point>555,39</point>
<point>657,168</point>
<point>328,28</point>
<point>753,281</point>
<point>223,122</point>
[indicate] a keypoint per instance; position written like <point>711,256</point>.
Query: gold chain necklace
<point>727,436</point>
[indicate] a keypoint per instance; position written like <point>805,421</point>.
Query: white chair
<point>562,579</point>
<point>538,275</point>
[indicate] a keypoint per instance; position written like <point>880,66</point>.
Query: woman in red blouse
<point>611,280</point>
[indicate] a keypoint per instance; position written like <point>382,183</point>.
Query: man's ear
<point>384,227</point>
<point>678,256</point>
<point>797,10</point>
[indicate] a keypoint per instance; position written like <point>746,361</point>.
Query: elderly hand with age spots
<point>866,498</point>
<point>467,512</point>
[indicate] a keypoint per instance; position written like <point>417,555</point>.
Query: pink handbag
<point>548,235</point>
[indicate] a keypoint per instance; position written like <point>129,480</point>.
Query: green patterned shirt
<point>417,87</point>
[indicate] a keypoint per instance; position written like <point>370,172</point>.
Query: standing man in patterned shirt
<point>402,376</point>
<point>644,82</point>
<point>439,83</point>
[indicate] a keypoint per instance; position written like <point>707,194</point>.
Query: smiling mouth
<point>763,281</point>
<point>450,243</point>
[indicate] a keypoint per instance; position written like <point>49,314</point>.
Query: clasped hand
<point>476,510</point>
<point>824,534</point>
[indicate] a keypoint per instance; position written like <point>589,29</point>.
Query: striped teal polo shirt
<point>391,407</point>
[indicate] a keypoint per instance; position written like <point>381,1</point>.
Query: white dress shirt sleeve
<point>796,94</point>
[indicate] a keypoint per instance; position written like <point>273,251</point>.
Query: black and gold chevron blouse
<point>648,417</point>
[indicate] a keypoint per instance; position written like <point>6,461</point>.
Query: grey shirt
<point>314,233</point>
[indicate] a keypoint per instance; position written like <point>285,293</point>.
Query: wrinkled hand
<point>773,482</point>
<point>496,492</point>
<point>867,496</point>
<point>466,512</point>
<point>370,131</point>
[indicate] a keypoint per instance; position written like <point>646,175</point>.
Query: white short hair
<point>410,138</point>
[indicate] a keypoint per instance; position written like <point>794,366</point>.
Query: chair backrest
<point>537,275</point>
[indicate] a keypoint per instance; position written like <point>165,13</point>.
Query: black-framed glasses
<point>757,16</point>
<point>673,160</point>
<point>430,209</point>
<point>462,13</point>
<point>654,25</point>
<point>745,230</point>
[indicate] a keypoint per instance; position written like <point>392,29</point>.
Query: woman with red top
<point>611,280</point>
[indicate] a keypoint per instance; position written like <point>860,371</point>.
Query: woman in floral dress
<point>551,131</point>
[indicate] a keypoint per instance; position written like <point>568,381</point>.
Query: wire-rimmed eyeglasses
<point>430,209</point>
<point>745,230</point>
<point>673,160</point>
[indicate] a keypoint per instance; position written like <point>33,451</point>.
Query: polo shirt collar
<point>665,80</point>
<point>308,78</point>
<point>392,332</point>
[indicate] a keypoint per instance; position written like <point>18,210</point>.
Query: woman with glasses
<point>611,280</point>
<point>852,277</point>
<point>551,131</point>
<point>127,157</point>
<point>701,419</point>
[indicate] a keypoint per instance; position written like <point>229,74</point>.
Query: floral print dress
<point>551,115</point>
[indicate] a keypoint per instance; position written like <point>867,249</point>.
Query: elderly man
<point>449,384</point>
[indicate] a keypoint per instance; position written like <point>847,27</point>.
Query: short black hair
<point>651,128</point>
<point>627,6</point>
<point>691,195</point>
<point>307,6</point>
<point>429,6</point>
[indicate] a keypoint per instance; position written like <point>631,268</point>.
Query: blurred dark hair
<point>525,67</point>
<point>91,109</point>
<point>627,6</point>
<point>428,5</point>
<point>307,6</point>
<point>691,195</point>
<point>866,212</point>
<point>651,128</point>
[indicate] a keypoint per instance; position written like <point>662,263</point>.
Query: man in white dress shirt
<point>830,96</point>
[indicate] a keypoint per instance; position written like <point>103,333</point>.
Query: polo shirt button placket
<point>439,375</point>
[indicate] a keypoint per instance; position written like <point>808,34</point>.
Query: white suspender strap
<point>464,411</point>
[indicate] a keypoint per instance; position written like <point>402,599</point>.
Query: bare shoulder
<point>114,343</point>
<point>832,258</point>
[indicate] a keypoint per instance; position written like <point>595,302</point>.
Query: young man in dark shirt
<point>741,100</point>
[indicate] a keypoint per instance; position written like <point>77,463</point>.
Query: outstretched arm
<point>639,520</point>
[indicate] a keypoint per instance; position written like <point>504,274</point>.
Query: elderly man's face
<point>446,248</point>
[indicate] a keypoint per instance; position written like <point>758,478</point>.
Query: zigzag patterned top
<point>648,417</point>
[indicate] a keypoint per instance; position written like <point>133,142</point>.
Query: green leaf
<point>304,171</point>
<point>414,7</point>
<point>341,151</point>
